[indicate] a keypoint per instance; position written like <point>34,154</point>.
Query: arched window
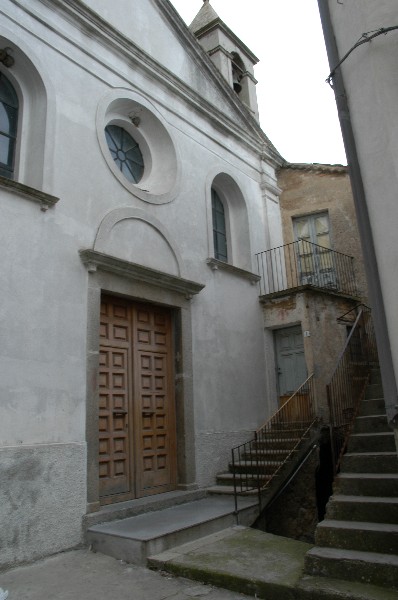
<point>219,227</point>
<point>238,70</point>
<point>8,126</point>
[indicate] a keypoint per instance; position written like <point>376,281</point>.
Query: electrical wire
<point>365,37</point>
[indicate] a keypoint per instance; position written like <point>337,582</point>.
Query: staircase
<point>358,540</point>
<point>263,464</point>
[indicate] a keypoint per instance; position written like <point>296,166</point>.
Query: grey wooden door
<point>292,370</point>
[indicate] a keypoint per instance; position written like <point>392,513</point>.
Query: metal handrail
<point>256,462</point>
<point>348,382</point>
<point>303,263</point>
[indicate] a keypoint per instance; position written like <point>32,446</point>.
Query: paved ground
<point>83,575</point>
<point>244,560</point>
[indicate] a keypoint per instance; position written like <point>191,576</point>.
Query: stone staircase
<point>358,540</point>
<point>275,459</point>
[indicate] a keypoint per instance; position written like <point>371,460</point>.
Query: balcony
<point>303,264</point>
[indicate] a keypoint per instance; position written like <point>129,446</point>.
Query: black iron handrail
<point>347,385</point>
<point>303,263</point>
<point>256,462</point>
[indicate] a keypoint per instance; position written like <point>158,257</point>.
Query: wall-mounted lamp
<point>6,58</point>
<point>135,119</point>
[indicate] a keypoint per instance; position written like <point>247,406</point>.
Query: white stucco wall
<point>370,78</point>
<point>43,366</point>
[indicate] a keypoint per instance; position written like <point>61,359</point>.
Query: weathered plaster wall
<point>42,500</point>
<point>370,82</point>
<point>317,313</point>
<point>310,189</point>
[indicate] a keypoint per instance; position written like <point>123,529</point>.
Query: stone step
<point>132,508</point>
<point>253,466</point>
<point>271,453</point>
<point>375,376</point>
<point>370,462</point>
<point>228,490</point>
<point>363,508</point>
<point>375,406</point>
<point>358,535</point>
<point>371,442</point>
<point>243,479</point>
<point>135,538</point>
<point>374,390</point>
<point>351,565</point>
<point>289,426</point>
<point>371,424</point>
<point>278,443</point>
<point>366,484</point>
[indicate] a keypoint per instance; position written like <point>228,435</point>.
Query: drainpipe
<point>364,226</point>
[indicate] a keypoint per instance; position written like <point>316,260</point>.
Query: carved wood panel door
<point>137,442</point>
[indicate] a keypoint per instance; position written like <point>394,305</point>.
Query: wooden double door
<point>137,439</point>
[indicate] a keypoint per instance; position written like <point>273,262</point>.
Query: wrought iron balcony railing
<point>303,263</point>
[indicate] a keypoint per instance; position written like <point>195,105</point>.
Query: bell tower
<point>230,55</point>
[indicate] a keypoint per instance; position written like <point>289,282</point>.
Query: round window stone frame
<point>137,115</point>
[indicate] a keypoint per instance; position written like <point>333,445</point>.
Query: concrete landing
<point>83,575</point>
<point>259,564</point>
<point>135,538</point>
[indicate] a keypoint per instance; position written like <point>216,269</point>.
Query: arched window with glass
<point>8,126</point>
<point>219,228</point>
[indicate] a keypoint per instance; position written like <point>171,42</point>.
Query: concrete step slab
<point>252,562</point>
<point>228,490</point>
<point>132,508</point>
<point>363,508</point>
<point>372,442</point>
<point>253,466</point>
<point>370,462</point>
<point>278,443</point>
<point>371,424</point>
<point>135,538</point>
<point>358,535</point>
<point>374,390</point>
<point>240,478</point>
<point>260,565</point>
<point>366,484</point>
<point>368,567</point>
<point>373,406</point>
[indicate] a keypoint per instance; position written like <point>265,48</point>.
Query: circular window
<point>125,152</point>
<point>136,144</point>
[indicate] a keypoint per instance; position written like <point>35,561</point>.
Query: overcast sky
<point>297,108</point>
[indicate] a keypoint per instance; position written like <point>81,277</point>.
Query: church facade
<point>136,187</point>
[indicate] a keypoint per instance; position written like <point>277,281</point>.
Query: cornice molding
<point>251,134</point>
<point>46,201</point>
<point>315,167</point>
<point>271,187</point>
<point>219,24</point>
<point>215,264</point>
<point>94,261</point>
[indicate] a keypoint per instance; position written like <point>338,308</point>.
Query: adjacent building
<point>362,43</point>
